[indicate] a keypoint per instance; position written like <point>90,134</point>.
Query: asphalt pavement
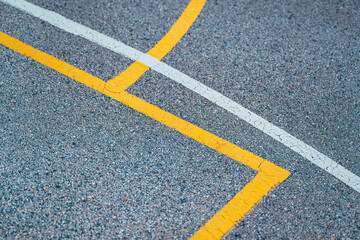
<point>77,164</point>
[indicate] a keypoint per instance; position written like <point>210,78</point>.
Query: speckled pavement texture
<point>77,164</point>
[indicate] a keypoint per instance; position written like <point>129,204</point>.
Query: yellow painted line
<point>268,177</point>
<point>171,38</point>
<point>269,174</point>
<point>51,62</point>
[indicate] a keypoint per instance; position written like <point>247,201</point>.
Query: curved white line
<point>255,120</point>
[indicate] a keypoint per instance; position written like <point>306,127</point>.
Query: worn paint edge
<point>268,173</point>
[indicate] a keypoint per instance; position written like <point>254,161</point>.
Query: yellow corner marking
<point>172,37</point>
<point>244,201</point>
<point>269,174</point>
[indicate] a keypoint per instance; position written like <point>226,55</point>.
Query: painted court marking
<point>240,204</point>
<point>268,176</point>
<point>255,120</point>
<point>176,32</point>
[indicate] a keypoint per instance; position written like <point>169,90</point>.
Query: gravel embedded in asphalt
<point>75,163</point>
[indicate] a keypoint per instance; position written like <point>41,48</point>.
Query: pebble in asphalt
<point>74,162</point>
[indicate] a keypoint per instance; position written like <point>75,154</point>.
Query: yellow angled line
<point>178,30</point>
<point>134,71</point>
<point>51,62</point>
<point>244,201</point>
<point>269,174</point>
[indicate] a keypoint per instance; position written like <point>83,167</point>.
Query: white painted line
<point>81,30</point>
<point>255,120</point>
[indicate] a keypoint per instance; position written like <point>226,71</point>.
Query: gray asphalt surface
<point>75,163</point>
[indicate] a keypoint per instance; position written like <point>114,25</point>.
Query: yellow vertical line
<point>171,38</point>
<point>269,175</point>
